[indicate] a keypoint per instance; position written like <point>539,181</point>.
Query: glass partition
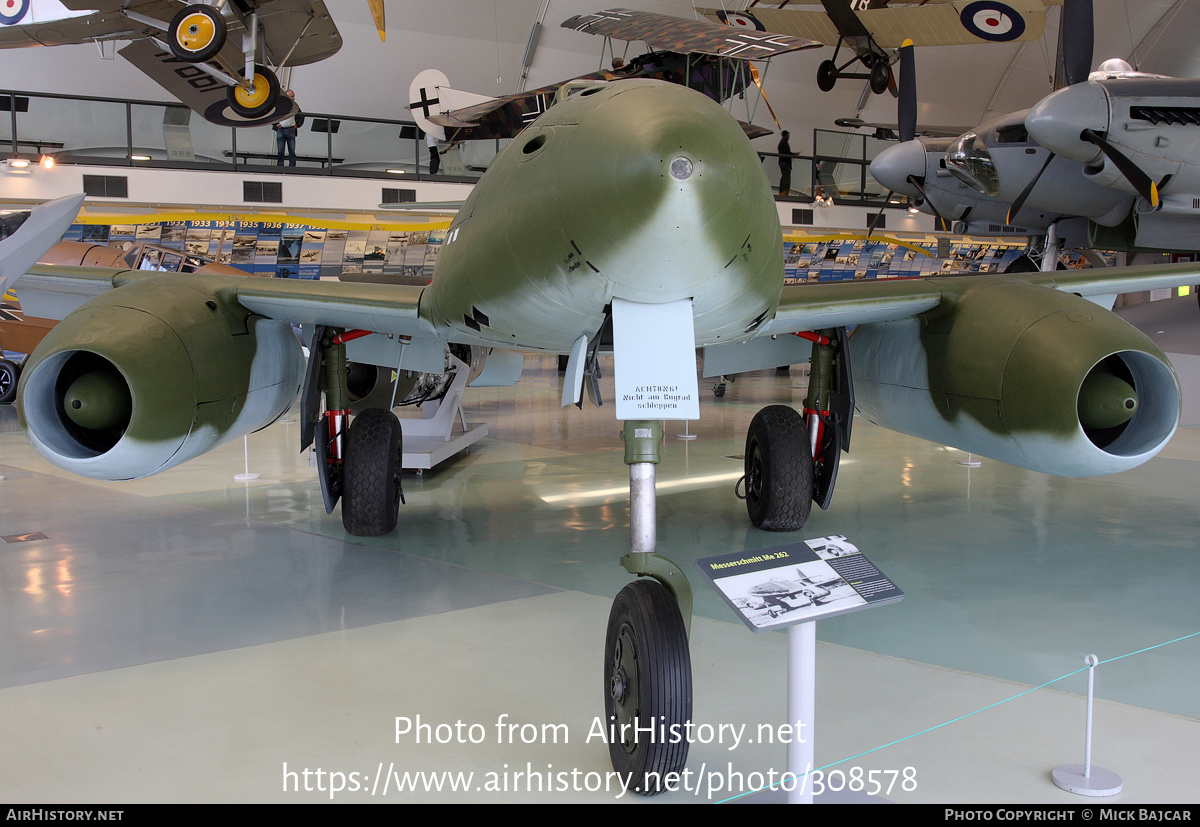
<point>109,131</point>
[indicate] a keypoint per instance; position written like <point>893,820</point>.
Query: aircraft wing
<point>677,34</point>
<point>955,23</point>
<point>53,292</point>
<point>204,95</point>
<point>282,23</point>
<point>837,304</point>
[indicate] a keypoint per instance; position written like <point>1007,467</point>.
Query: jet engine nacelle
<point>154,373</point>
<point>1020,373</point>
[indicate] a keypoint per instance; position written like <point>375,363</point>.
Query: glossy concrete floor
<point>192,638</point>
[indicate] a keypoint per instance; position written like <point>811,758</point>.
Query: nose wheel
<point>647,686</point>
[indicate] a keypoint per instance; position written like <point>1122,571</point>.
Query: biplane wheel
<point>371,474</point>
<point>258,101</point>
<point>827,75</point>
<point>8,381</point>
<point>881,77</point>
<point>647,683</point>
<point>719,390</point>
<point>197,33</point>
<point>779,470</point>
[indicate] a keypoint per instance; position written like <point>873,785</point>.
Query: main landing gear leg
<point>792,458</point>
<point>647,665</point>
<point>358,463</point>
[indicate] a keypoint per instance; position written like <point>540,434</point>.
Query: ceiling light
<point>395,171</point>
<point>18,163</point>
<point>139,157</point>
<point>47,162</point>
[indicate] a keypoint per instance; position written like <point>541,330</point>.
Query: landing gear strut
<point>792,458</point>
<point>647,665</point>
<point>359,462</point>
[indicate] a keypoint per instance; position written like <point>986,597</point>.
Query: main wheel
<point>8,381</point>
<point>647,685</point>
<point>779,470</point>
<point>881,76</point>
<point>197,33</point>
<point>827,74</point>
<point>258,101</point>
<point>371,474</point>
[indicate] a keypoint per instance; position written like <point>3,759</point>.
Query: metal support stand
<point>247,476</point>
<point>970,462</point>
<point>687,435</point>
<point>802,707</point>
<point>429,441</point>
<point>1084,779</point>
<point>642,453</point>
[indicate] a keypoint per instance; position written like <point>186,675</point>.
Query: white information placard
<point>654,354</point>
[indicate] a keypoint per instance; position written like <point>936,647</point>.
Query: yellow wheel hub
<point>196,32</point>
<point>256,96</point>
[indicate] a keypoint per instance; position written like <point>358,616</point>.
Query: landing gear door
<point>841,415</point>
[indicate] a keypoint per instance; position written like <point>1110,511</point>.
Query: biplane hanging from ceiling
<point>708,57</point>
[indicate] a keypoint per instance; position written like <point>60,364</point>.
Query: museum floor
<point>192,638</point>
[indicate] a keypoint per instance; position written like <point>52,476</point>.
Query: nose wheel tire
<point>258,101</point>
<point>371,475</point>
<point>197,33</point>
<point>779,470</point>
<point>647,685</point>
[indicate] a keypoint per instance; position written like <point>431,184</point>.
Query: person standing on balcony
<point>285,136</point>
<point>785,163</point>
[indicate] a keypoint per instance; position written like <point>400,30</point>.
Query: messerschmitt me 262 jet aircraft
<point>643,201</point>
<point>212,56</point>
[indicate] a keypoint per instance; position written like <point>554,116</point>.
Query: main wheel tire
<point>827,75</point>
<point>647,684</point>
<point>779,470</point>
<point>371,474</point>
<point>260,100</point>
<point>197,33</point>
<point>881,77</point>
<point>8,381</point>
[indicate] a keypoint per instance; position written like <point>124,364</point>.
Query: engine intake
<point>1023,374</point>
<point>154,373</point>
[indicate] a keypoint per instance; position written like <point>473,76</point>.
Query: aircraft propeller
<point>1076,40</point>
<point>906,119</point>
<point>378,16</point>
<point>906,106</point>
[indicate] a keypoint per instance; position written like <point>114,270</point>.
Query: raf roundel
<point>12,11</point>
<point>993,21</point>
<point>740,20</point>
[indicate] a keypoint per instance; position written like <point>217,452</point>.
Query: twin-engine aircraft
<point>1114,147</point>
<point>220,59</point>
<point>626,200</point>
<point>874,29</point>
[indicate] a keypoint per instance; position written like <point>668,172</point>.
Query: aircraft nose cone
<point>893,167</point>
<point>98,400</point>
<point>1058,119</point>
<point>1106,401</point>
